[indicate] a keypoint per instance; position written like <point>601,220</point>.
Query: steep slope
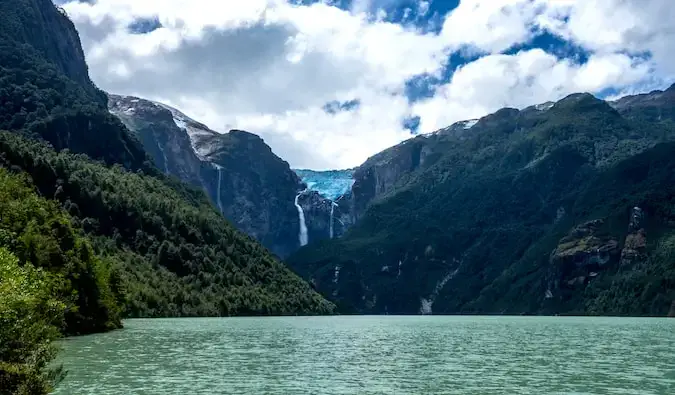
<point>252,187</point>
<point>46,91</point>
<point>474,218</point>
<point>172,256</point>
<point>132,239</point>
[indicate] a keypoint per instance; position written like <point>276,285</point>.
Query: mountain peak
<point>244,134</point>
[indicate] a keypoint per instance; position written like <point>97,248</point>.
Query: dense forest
<point>495,218</point>
<point>90,230</point>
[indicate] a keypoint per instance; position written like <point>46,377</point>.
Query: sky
<point>329,83</point>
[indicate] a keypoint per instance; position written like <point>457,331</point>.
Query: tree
<point>30,319</point>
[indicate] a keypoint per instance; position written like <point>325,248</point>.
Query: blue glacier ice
<point>330,184</point>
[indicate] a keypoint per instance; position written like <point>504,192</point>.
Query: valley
<point>116,207</point>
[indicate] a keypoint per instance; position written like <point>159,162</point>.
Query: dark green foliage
<point>172,257</point>
<point>30,318</point>
<point>38,232</point>
<point>491,205</point>
<point>45,90</point>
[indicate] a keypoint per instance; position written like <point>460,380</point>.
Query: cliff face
<point>49,32</point>
<point>522,211</point>
<point>46,88</point>
<point>254,187</point>
<point>250,185</point>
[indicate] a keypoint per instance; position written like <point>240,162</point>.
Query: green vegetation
<point>45,88</point>
<point>30,318</point>
<point>170,256</point>
<point>40,233</point>
<point>487,209</point>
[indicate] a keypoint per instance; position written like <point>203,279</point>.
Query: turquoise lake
<point>375,355</point>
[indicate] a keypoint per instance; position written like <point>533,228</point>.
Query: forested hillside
<point>169,251</point>
<point>524,212</point>
<point>46,91</point>
<point>90,230</point>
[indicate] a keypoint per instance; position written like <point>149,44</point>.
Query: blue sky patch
<point>412,124</point>
<point>334,107</point>
<point>144,25</point>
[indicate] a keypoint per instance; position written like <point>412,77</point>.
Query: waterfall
<point>220,181</point>
<point>332,208</point>
<point>303,226</point>
<point>166,162</point>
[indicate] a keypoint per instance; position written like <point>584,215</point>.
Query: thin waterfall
<point>220,181</point>
<point>161,149</point>
<point>303,226</point>
<point>332,209</point>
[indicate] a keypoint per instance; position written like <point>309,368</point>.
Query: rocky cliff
<point>46,90</point>
<point>251,186</point>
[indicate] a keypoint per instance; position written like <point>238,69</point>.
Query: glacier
<point>331,184</point>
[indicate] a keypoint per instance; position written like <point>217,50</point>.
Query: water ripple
<point>376,355</point>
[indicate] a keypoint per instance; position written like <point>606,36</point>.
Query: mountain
<point>557,208</point>
<point>46,89</point>
<point>251,186</point>
<point>96,214</point>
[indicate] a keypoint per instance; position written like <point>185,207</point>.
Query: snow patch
<point>194,129</point>
<point>470,123</point>
<point>544,106</point>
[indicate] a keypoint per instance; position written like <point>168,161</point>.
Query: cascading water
<point>166,161</point>
<point>220,181</point>
<point>303,226</point>
<point>332,209</point>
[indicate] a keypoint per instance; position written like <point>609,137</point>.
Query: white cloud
<point>520,80</point>
<point>268,66</point>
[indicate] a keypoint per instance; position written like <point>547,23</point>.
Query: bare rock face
<point>580,255</point>
<point>244,179</point>
<point>381,173</point>
<point>636,241</point>
<point>320,224</point>
<point>582,247</point>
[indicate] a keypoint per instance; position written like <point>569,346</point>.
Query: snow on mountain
<point>198,132</point>
<point>330,184</point>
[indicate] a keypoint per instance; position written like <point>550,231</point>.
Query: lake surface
<point>376,355</point>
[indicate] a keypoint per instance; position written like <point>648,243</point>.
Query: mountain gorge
<point>523,211</point>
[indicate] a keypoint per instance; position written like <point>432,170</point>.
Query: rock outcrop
<point>635,245</point>
<point>580,255</point>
